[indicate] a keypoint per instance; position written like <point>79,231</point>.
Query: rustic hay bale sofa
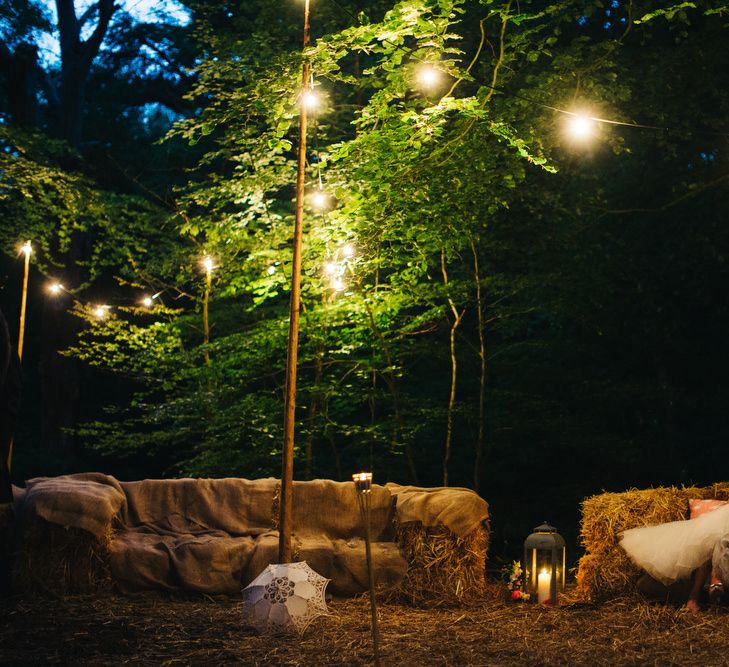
<point>605,571</point>
<point>212,536</point>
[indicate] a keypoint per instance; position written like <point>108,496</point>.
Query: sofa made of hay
<point>82,532</point>
<point>605,571</point>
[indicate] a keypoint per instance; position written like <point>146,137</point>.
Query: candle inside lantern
<point>543,585</point>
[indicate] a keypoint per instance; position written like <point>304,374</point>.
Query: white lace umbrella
<point>284,598</point>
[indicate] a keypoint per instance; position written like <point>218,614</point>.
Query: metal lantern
<point>544,564</point>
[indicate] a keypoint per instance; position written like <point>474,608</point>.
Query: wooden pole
<point>206,322</point>
<point>27,249</point>
<point>21,331</point>
<point>363,489</point>
<point>371,581</point>
<point>287,463</point>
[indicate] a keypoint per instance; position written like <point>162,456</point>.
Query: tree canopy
<point>487,301</point>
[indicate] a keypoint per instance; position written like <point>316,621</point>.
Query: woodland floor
<point>112,630</point>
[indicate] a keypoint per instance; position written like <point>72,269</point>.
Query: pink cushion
<point>699,507</point>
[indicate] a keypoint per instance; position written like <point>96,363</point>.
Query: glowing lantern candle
<point>544,564</point>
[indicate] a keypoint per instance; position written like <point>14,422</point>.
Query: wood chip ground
<point>114,630</point>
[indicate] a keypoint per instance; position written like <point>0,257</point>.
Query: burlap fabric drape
<point>216,535</point>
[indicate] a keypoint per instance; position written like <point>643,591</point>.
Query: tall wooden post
<point>287,464</point>
<point>206,301</point>
<point>363,489</point>
<point>27,249</point>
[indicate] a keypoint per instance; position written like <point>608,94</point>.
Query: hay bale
<point>606,571</point>
<point>606,575</point>
<point>443,569</point>
<point>61,561</point>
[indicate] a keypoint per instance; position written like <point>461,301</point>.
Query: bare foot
<point>693,606</point>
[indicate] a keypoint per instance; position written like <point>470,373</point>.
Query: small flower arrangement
<point>514,578</point>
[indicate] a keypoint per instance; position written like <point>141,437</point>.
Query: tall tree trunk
<point>313,413</point>
<point>77,55</point>
<point>670,429</point>
<point>61,388</point>
<point>335,453</point>
<point>482,376</point>
<point>392,386</point>
<point>454,372</point>
<point>22,73</point>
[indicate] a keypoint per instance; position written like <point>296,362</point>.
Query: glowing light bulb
<point>100,312</point>
<point>147,301</point>
<point>27,248</point>
<point>330,268</point>
<point>55,288</point>
<point>348,250</point>
<point>319,199</point>
<point>310,99</point>
<point>581,127</point>
<point>428,76</point>
<point>338,284</point>
<point>271,270</point>
<point>208,265</point>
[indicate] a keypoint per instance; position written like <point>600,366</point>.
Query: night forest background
<point>486,302</point>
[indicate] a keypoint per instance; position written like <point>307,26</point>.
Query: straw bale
<point>61,561</point>
<point>605,570</point>
<point>606,515</point>
<point>443,569</point>
<point>607,574</point>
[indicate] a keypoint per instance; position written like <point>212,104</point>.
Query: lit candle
<point>543,585</point>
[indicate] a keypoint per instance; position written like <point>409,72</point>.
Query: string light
<point>428,76</point>
<point>348,250</point>
<point>580,127</point>
<point>148,301</point>
<point>337,284</point>
<point>208,265</point>
<point>271,269</point>
<point>100,312</point>
<point>56,288</point>
<point>27,248</point>
<point>319,199</point>
<point>331,268</point>
<point>310,99</point>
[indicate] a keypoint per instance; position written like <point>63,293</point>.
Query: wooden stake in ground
<point>363,487</point>
<point>287,463</point>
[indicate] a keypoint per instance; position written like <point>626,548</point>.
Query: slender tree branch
<point>473,61</point>
<point>667,205</point>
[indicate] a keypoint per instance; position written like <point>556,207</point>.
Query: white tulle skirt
<point>672,551</point>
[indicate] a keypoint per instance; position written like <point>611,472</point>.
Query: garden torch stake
<point>287,464</point>
<point>363,487</point>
